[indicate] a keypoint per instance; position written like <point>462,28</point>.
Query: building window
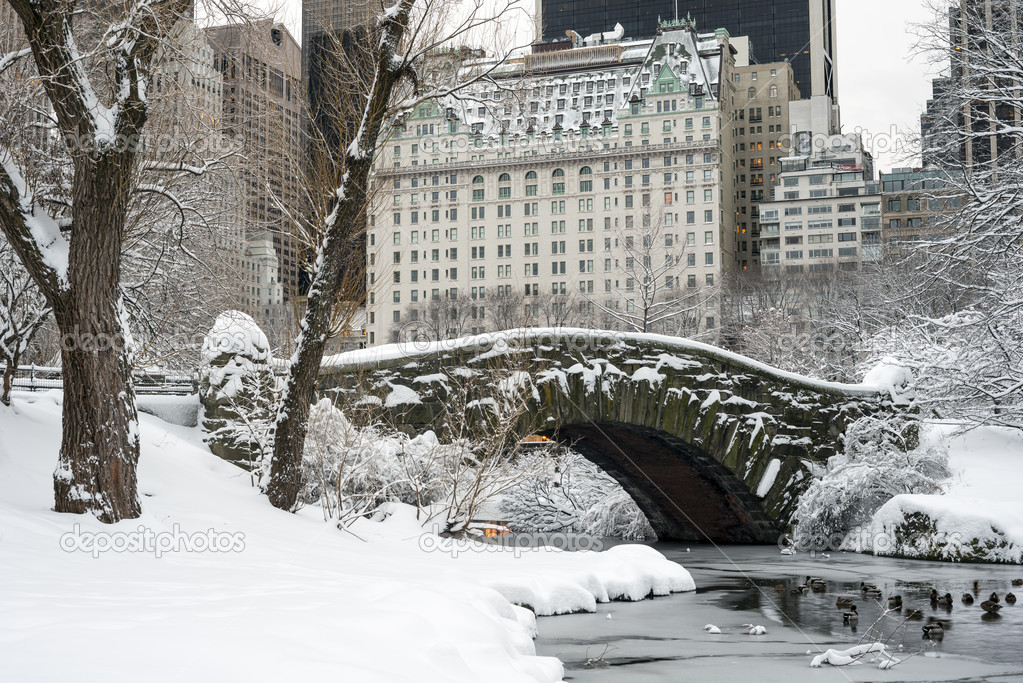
<point>585,181</point>
<point>558,186</point>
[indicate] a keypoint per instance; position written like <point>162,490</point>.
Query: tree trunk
<point>9,369</point>
<point>99,451</point>
<point>341,244</point>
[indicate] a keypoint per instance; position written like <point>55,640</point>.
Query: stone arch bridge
<point>711,445</point>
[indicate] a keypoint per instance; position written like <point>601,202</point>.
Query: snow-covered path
<point>291,598</point>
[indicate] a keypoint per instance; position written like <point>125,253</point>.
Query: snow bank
<point>980,516</point>
<point>387,602</point>
<point>177,410</point>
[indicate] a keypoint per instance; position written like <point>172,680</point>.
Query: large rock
<point>238,389</point>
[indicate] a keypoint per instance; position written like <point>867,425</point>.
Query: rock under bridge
<point>711,445</point>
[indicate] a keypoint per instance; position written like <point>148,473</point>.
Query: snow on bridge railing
<point>892,381</point>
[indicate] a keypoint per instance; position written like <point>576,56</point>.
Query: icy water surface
<point>663,639</point>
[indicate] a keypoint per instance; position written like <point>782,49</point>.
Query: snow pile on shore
<point>212,583</point>
<point>980,516</point>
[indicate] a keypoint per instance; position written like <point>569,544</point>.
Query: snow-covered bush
<point>883,457</point>
<point>239,391</point>
<point>567,493</point>
<point>350,471</point>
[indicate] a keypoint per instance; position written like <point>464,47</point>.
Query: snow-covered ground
<point>980,515</point>
<point>284,597</point>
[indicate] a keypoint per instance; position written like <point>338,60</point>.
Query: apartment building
<point>757,131</point>
<point>259,64</point>
<point>589,172</point>
<point>914,202</point>
<point>826,215</point>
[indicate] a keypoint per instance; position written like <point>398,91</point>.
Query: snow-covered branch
<point>33,234</point>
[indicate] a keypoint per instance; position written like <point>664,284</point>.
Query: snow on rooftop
<point>503,105</point>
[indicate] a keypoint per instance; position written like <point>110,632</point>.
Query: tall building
<point>915,200</point>
<point>327,26</point>
<point>801,32</point>
<point>585,174</point>
<point>970,119</point>
<point>763,93</point>
<point>826,214</point>
<point>259,64</point>
<point>336,77</point>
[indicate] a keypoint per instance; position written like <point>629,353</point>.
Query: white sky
<point>882,85</point>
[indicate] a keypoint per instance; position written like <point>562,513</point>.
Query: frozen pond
<point>663,639</point>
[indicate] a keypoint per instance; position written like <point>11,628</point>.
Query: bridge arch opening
<point>685,493</point>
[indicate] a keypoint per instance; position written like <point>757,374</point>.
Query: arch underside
<point>685,493</point>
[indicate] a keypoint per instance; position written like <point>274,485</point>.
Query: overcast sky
<point>882,85</point>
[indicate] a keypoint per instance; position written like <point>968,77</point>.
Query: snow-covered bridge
<point>709,444</point>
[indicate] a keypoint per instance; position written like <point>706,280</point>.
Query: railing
<point>42,378</point>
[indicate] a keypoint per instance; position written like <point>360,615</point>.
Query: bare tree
<point>111,199</point>
<point>507,311</point>
<point>484,418</point>
<point>651,289</point>
<point>402,38</point>
<point>442,317</point>
<point>965,344</point>
<point>94,66</point>
<point>557,309</point>
<point>22,313</point>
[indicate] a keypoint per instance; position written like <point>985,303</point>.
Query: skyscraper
<point>259,65</point>
<point>326,25</point>
<point>971,117</point>
<point>801,32</point>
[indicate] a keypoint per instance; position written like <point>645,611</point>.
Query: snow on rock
<point>235,333</point>
<point>401,395</point>
<point>894,380</point>
<point>980,515</point>
<point>519,339</point>
<point>847,657</point>
<point>770,474</point>
<point>648,375</point>
<point>383,603</point>
<point>436,378</point>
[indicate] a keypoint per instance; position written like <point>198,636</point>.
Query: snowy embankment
<point>980,516</point>
<point>283,597</point>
